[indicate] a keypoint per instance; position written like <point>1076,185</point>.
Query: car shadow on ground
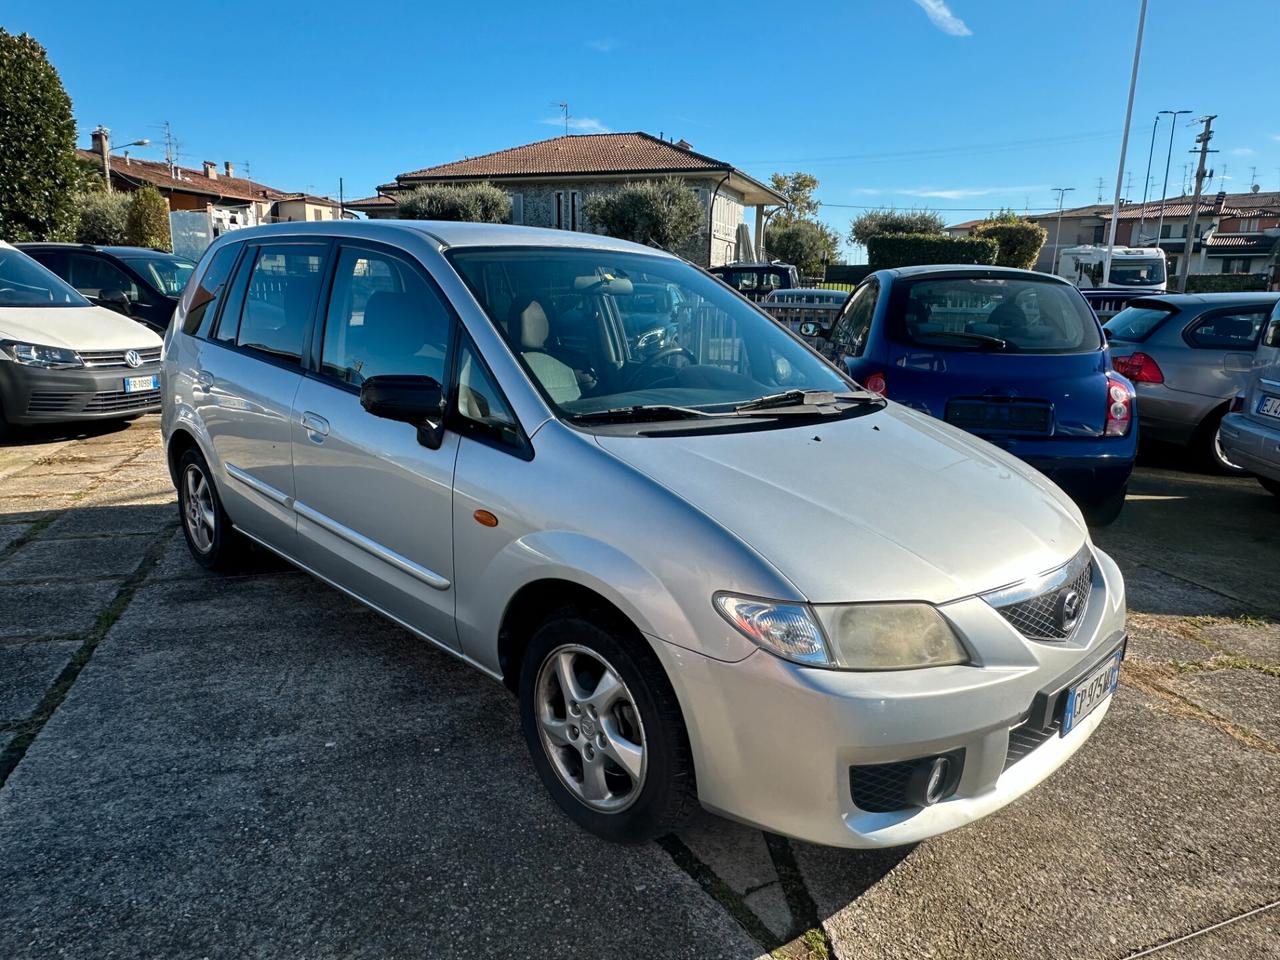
<point>30,436</point>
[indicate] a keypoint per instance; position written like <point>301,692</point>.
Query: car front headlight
<point>36,355</point>
<point>857,636</point>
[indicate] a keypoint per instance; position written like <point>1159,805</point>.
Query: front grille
<point>121,402</point>
<point>881,787</point>
<point>51,401</point>
<point>1025,738</point>
<point>1041,617</point>
<point>115,358</point>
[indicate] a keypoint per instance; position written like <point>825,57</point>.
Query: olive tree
<point>661,213</point>
<point>473,202</point>
<point>875,223</point>
<point>103,218</point>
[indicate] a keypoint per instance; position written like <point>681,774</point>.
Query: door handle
<point>204,380</point>
<point>317,427</point>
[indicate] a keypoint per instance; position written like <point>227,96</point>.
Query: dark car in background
<point>142,284</point>
<point>1013,356</point>
<point>793,306</point>
<point>1188,355</point>
<point>755,281</point>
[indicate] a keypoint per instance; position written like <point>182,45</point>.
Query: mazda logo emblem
<point>1070,606</point>
<point>132,358</point>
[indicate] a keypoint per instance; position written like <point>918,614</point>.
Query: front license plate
<point>1269,407</point>
<point>139,384</point>
<point>1085,696</point>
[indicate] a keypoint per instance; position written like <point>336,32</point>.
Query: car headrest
<point>1007,315</point>
<point>531,325</point>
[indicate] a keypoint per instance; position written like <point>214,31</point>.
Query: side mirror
<point>811,329</point>
<point>116,300</point>
<point>408,399</point>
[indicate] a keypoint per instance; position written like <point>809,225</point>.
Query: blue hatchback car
<point>1013,356</point>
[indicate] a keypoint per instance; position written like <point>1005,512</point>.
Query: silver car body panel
<point>892,505</point>
<point>1249,438</point>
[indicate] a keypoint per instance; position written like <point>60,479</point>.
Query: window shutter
<point>517,208</point>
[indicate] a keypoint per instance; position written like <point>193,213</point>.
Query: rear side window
<point>1228,330</point>
<point>1013,315</point>
<point>1135,324</point>
<point>280,299</point>
<point>1271,338</point>
<point>208,292</point>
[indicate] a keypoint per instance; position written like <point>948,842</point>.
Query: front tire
<point>604,729</point>
<point>205,525</point>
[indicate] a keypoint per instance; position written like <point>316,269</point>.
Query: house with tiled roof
<point>230,201</point>
<point>548,182</point>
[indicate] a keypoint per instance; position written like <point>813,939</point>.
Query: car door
<point>245,376</point>
<point>1222,345</point>
<point>374,505</point>
<point>107,285</point>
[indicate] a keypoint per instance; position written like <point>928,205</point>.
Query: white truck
<point>1132,268</point>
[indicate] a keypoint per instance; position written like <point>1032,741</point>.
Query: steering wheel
<point>662,354</point>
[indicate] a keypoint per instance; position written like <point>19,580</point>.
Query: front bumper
<point>1251,445</point>
<point>773,742</point>
<point>31,395</point>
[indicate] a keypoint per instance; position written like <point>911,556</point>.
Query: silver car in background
<point>721,572</point>
<point>1251,432</point>
<point>1188,355</point>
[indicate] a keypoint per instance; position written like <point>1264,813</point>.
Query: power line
<point>989,147</point>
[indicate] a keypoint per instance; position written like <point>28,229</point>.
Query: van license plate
<point>1269,407</point>
<point>1085,696</point>
<point>141,384</point>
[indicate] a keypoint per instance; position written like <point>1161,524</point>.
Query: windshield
<point>1138,322</point>
<point>753,281</point>
<point>167,274</point>
<point>25,283</point>
<point>1137,273</point>
<point>1018,315</point>
<point>599,330</point>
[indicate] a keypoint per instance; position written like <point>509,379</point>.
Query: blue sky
<point>962,106</point>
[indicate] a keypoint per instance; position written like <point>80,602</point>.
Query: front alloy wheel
<point>205,525</point>
<point>590,728</point>
<point>198,511</point>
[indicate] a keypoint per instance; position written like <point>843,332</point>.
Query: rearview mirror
<point>408,399</point>
<point>116,300</point>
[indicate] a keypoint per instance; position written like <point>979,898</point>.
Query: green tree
<point>38,172</point>
<point>874,223</point>
<point>103,218</point>
<point>474,202</point>
<point>147,223</point>
<point>1020,240</point>
<point>663,213</point>
<point>798,188</point>
<point>808,245</point>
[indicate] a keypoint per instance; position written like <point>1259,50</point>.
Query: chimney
<point>101,139</point>
<point>210,169</point>
<point>229,167</point>
<point>1219,201</point>
<point>684,144</point>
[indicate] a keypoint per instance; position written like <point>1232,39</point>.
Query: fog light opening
<point>933,779</point>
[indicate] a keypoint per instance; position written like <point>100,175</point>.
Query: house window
<point>1166,231</point>
<point>1249,226</point>
<point>559,210</point>
<point>517,208</point>
<point>573,210</point>
<point>1236,265</point>
<point>1097,233</point>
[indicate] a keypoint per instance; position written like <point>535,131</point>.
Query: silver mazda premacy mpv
<point>716,572</point>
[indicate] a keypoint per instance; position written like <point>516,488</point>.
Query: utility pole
<point>1189,243</point>
<point>1164,193</point>
<point>1124,146</point>
<point>1057,234</point>
<point>342,204</point>
<point>1146,184</point>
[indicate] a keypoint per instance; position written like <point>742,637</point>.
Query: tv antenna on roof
<point>564,108</point>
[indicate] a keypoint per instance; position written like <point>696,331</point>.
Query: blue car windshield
<point>598,330</point>
<point>1014,314</point>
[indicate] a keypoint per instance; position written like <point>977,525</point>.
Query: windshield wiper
<point>803,398</point>
<point>976,337</point>
<point>641,412</point>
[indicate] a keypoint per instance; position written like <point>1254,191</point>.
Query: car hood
<point>75,328</point>
<point>888,506</point>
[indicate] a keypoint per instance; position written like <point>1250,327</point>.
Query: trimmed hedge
<point>1020,241</point>
<point>913,249</point>
<point>1226,282</point>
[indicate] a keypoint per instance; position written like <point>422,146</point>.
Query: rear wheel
<point>1103,512</point>
<point>1209,444</point>
<point>604,729</point>
<point>205,525</point>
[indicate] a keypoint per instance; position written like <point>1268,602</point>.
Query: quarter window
<point>1229,330</point>
<point>280,299</point>
<point>850,336</point>
<point>479,402</point>
<point>383,318</point>
<point>213,283</point>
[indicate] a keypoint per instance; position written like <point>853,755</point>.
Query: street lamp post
<point>1057,233</point>
<point>1164,191</point>
<point>1124,147</point>
<point>108,150</point>
<point>1142,217</point>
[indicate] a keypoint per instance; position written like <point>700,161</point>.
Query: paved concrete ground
<point>208,766</point>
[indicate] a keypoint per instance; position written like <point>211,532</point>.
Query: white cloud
<point>1274,136</point>
<point>946,193</point>
<point>940,16</point>
<point>1243,152</point>
<point>601,45</point>
<point>579,124</point>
